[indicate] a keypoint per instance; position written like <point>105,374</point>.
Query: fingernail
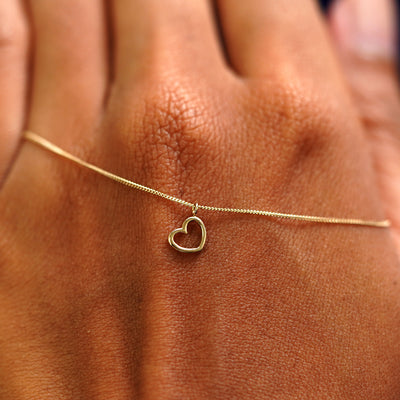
<point>366,27</point>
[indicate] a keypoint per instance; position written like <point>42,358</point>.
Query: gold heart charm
<point>176,246</point>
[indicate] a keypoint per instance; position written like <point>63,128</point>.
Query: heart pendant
<point>176,246</point>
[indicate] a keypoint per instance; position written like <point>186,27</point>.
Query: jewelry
<point>42,142</point>
<point>176,246</point>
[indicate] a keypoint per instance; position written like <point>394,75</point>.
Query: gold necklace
<point>40,141</point>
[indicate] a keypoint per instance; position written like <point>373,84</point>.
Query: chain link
<point>38,140</point>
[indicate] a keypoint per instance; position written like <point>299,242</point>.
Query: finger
<point>153,36</point>
<point>13,78</point>
<point>267,36</point>
<point>364,33</point>
<point>70,66</point>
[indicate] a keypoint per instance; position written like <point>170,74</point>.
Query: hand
<point>94,304</point>
<point>365,35</point>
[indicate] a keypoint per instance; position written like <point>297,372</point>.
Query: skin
<point>94,303</point>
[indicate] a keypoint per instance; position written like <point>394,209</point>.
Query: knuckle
<point>170,113</point>
<point>376,94</point>
<point>379,114</point>
<point>305,124</point>
<point>172,128</point>
<point>295,109</point>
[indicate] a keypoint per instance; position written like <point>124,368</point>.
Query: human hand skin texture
<point>94,303</point>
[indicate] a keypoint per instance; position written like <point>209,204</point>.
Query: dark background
<point>325,5</point>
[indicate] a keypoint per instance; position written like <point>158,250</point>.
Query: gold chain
<point>38,140</point>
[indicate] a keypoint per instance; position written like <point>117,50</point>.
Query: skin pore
<point>256,104</point>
